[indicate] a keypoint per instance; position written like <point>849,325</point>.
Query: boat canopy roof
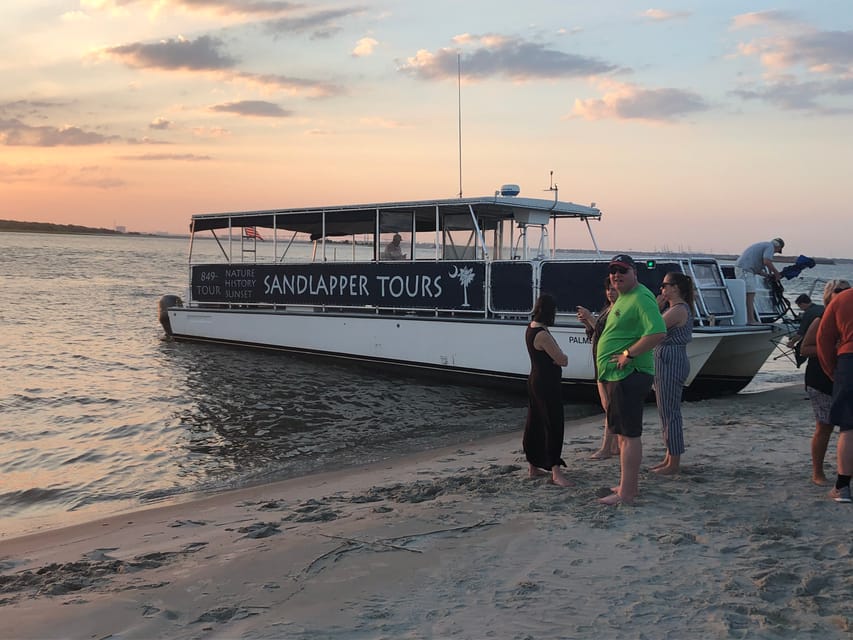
<point>343,220</point>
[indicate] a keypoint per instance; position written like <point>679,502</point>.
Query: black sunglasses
<point>617,269</point>
<point>837,289</point>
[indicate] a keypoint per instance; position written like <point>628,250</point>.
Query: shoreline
<point>456,542</point>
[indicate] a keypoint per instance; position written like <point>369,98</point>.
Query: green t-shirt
<point>634,314</point>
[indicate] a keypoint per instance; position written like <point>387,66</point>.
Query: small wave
<point>28,498</point>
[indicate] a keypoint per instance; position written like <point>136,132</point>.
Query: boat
<point>455,301</point>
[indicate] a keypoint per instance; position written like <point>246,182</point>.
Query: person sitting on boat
<point>393,250</point>
<point>755,261</point>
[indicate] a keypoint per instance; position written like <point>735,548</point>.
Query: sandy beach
<point>458,543</point>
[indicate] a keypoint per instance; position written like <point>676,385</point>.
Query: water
<point>100,413</point>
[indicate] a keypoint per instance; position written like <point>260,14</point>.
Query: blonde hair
<point>830,287</point>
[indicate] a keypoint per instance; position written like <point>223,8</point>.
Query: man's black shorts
<point>625,404</point>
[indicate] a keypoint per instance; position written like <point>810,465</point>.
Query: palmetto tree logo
<point>466,277</point>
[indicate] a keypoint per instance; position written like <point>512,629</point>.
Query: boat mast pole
<point>459,113</point>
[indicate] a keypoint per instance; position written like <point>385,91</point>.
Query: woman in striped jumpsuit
<point>672,366</point>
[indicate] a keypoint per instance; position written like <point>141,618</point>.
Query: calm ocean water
<point>100,413</point>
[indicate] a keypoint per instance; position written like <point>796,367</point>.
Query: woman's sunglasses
<point>836,290</point>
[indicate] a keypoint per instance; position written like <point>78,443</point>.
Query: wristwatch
<point>627,354</point>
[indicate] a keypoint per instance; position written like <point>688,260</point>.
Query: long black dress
<point>543,431</point>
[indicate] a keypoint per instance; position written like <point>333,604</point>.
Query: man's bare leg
<point>845,458</point>
<point>630,458</point>
<point>607,446</point>
<point>750,308</point>
<point>820,442</point>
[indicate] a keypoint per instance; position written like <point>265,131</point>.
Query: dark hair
<point>684,284</point>
<point>607,284</point>
<point>802,299</point>
<point>545,309</point>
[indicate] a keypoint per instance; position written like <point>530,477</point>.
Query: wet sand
<point>458,543</point>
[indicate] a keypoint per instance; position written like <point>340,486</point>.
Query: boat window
<point>459,237</point>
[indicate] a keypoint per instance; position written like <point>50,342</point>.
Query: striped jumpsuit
<point>671,369</point>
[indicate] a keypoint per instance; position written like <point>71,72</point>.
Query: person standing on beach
<point>672,366</point>
<point>757,260</point>
<point>626,366</point>
<point>543,430</point>
<point>819,385</point>
<point>594,326</point>
<point>835,352</point>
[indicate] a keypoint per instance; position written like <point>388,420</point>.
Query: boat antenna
<point>459,112</point>
<point>552,186</point>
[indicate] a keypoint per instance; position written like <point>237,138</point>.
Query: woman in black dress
<point>543,432</point>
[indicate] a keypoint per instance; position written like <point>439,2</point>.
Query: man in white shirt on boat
<point>755,261</point>
<point>393,250</point>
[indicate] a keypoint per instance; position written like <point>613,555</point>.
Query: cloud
<point>91,176</point>
<point>820,51</point>
<point>661,15</point>
<point>94,176</point>
<point>15,133</point>
<point>291,85</point>
<point>254,108</point>
<point>786,95</point>
<point>202,54</point>
<point>790,95</point>
<point>192,157</point>
<point>10,173</point>
<point>322,24</point>
<point>760,19</point>
<point>210,132</point>
<point>106,5</point>
<point>502,56</point>
<point>206,55</point>
<point>221,7</point>
<point>31,108</point>
<point>159,123</point>
<point>630,102</point>
<point>241,7</point>
<point>364,47</point>
<point>801,64</point>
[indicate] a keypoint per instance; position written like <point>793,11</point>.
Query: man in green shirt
<point>626,366</point>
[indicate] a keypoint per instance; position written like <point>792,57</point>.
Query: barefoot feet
<point>601,454</point>
<point>666,470</point>
<point>535,472</point>
<point>559,479</point>
<point>615,499</point>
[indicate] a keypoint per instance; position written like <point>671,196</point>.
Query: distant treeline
<point>50,227</point>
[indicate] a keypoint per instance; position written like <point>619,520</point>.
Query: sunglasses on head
<point>615,268</point>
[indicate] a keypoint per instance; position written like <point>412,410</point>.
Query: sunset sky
<point>698,126</point>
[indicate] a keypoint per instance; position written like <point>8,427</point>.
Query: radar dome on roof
<point>510,190</point>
